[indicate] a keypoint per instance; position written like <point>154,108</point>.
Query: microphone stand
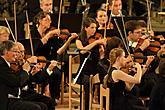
<point>78,75</point>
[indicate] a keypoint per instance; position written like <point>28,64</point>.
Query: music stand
<point>76,78</point>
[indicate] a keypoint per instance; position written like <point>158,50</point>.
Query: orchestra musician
<point>157,94</point>
<point>115,8</point>
<point>102,19</point>
<point>134,32</point>
<point>11,81</point>
<point>85,43</point>
<point>52,45</point>
<point>27,91</point>
<point>119,82</point>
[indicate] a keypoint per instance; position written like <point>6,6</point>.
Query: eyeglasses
<point>16,51</point>
<point>138,32</point>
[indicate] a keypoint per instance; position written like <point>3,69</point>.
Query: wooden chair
<point>93,80</point>
<point>73,67</point>
<point>104,93</point>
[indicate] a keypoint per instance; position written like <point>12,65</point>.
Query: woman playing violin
<point>52,46</point>
<point>119,81</point>
<point>89,29</point>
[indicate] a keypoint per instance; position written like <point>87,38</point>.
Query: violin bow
<point>29,35</point>
<point>15,20</point>
<point>59,16</point>
<point>83,2</point>
<point>149,27</point>
<point>105,30</point>
<point>123,39</point>
<point>125,35</point>
<point>110,16</point>
<point>10,30</point>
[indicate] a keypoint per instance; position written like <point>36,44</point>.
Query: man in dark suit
<point>10,81</point>
<point>157,97</point>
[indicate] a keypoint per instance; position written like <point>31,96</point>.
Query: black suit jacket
<point>9,80</point>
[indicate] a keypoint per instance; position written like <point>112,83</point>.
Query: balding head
<point>21,51</point>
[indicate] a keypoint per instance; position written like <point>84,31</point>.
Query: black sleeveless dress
<point>119,99</point>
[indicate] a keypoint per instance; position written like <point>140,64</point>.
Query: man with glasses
<point>134,30</point>
<point>134,33</point>
<point>10,81</point>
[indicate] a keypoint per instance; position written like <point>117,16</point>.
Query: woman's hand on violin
<point>101,41</point>
<point>52,33</point>
<point>137,65</point>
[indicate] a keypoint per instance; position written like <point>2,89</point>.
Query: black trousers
<point>18,104</point>
<point>30,96</point>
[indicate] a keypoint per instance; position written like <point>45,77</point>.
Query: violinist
<point>157,94</point>
<point>114,42</point>
<point>134,32</point>
<point>115,9</point>
<point>87,34</point>
<point>102,19</point>
<point>51,45</point>
<point>12,81</point>
<point>27,93</point>
<point>119,82</point>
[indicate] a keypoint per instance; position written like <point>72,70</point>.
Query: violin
<point>16,66</point>
<point>128,67</point>
<point>64,33</point>
<point>97,36</point>
<point>139,57</point>
<point>153,47</point>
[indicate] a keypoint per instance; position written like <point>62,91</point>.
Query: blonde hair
<point>114,54</point>
<point>4,30</point>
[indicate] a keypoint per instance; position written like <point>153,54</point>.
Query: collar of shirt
<point>133,44</point>
<point>115,15</point>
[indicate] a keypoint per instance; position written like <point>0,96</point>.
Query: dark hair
<point>6,45</point>
<point>131,25</point>
<point>39,17</point>
<point>162,67</point>
<point>113,42</point>
<point>86,23</point>
<point>100,9</point>
<point>142,23</point>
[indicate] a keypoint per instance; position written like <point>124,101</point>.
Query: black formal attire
<point>119,100</point>
<point>90,67</point>
<point>9,84</point>
<point>148,79</point>
<point>49,50</point>
<point>157,97</point>
<point>30,95</point>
